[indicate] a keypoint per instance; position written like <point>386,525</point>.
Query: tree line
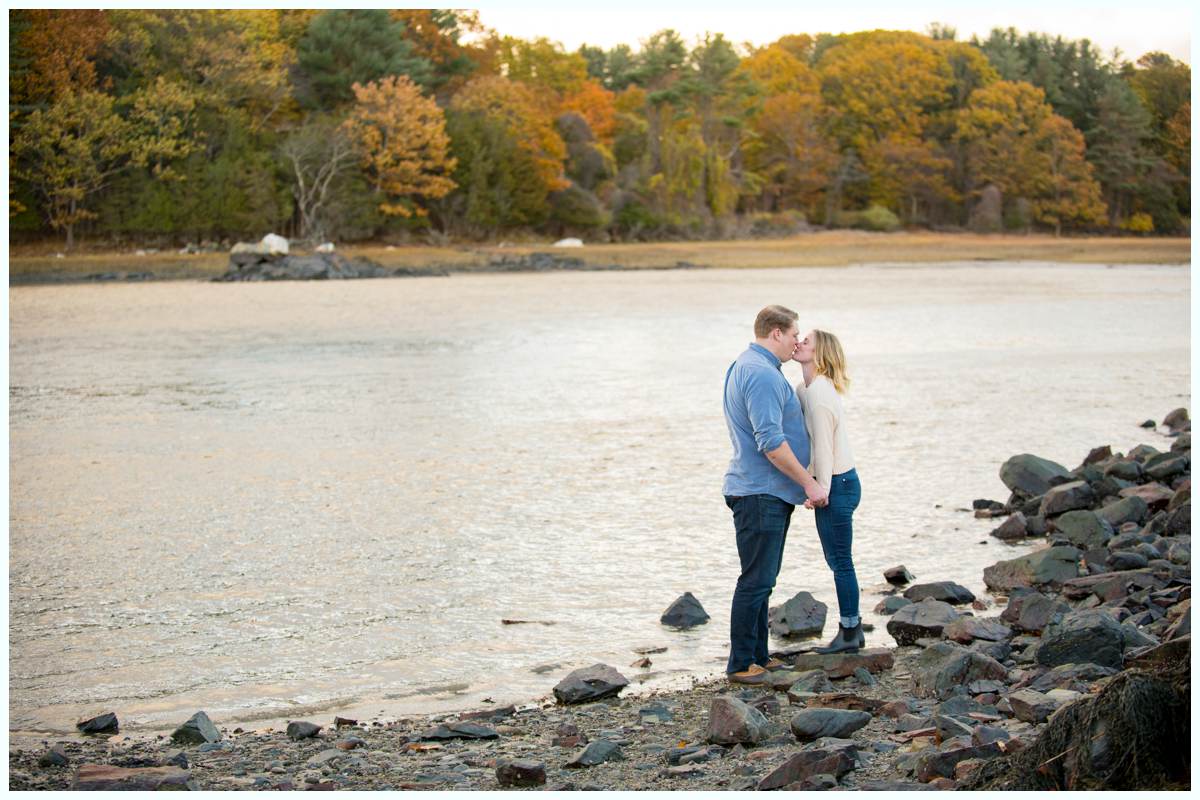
<point>183,126</point>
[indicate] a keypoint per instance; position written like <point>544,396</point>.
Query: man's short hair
<point>773,317</point>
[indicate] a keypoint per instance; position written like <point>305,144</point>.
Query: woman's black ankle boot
<point>847,640</point>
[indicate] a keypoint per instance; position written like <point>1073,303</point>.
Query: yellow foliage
<point>527,120</point>
<point>595,104</point>
<point>401,137</point>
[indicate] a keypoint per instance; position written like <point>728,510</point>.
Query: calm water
<point>271,501</point>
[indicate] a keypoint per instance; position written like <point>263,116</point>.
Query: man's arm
<point>786,462</point>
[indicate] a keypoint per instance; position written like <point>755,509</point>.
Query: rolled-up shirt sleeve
<point>764,407</point>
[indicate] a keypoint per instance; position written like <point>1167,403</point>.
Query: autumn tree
<point>786,147</point>
<point>509,156</point>
<point>53,52</point>
<point>70,151</point>
<point>401,138</point>
<point>1015,141</point>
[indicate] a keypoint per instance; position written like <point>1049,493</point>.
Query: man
<point>765,482</point>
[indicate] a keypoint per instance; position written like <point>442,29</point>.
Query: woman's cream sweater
<point>825,418</point>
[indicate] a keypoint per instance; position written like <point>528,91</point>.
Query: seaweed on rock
<point>1133,734</point>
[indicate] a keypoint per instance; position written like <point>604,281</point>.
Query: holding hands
<point>818,496</point>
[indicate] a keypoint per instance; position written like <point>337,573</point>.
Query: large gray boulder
<point>1033,611</point>
<point>1013,529</point>
<point>685,612</point>
<point>731,721</point>
<point>1127,509</point>
<point>1048,567</point>
<point>943,666</point>
<point>803,615</point>
<point>1087,530</point>
<point>1088,636</point>
<point>925,619</point>
<point>813,723</point>
<point>1067,497</point>
<point>946,591</point>
<point>1177,420</point>
<point>590,683</point>
<point>1032,475</point>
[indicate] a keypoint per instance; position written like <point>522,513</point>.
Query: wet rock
<point>1183,494</point>
<point>1084,529</point>
<point>950,727</point>
<point>105,778</point>
<point>567,734</point>
<point>1124,469</point>
<point>945,591</point>
<point>1149,424</point>
<point>1032,475</point>
<point>54,757</point>
<point>1066,676</point>
<point>1013,529</point>
<point>685,612</point>
<point>865,677</point>
<point>590,683</point>
<point>1033,611</point>
<point>935,764</point>
<point>812,681</point>
<point>927,618</point>
<point>520,773</point>
<point>1177,420</point>
<point>1155,495</point>
<point>197,730</point>
<point>898,576</point>
<point>890,605</point>
<point>1067,497</point>
<point>802,615</point>
<point>1183,442</point>
<point>597,753</point>
<point>102,723</point>
<point>944,666</point>
<point>1127,509</point>
<point>966,629</point>
<point>1086,635</point>
<point>842,665</point>
<point>1030,706</point>
<point>302,730</point>
<point>815,723</point>
<point>1180,521</point>
<point>1167,467</point>
<point>1125,560</point>
<point>804,765</point>
<point>731,721</point>
<point>459,730</point>
<point>1048,567</point>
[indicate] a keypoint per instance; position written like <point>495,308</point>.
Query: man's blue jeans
<point>761,522</point>
<point>835,526</point>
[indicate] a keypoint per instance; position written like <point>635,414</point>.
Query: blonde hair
<point>830,360</point>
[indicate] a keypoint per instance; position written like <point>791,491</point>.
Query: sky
<point>1135,29</point>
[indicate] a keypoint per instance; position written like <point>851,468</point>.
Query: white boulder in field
<point>327,247</point>
<point>569,243</point>
<point>275,245</point>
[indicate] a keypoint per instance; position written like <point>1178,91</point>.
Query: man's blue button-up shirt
<point>762,412</point>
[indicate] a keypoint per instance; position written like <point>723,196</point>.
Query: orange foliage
<point>595,104</point>
<point>61,46</point>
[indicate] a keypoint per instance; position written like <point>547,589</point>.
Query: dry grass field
<point>826,248</point>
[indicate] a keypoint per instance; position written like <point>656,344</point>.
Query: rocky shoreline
<point>1073,675</point>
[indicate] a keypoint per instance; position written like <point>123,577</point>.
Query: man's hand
<point>818,496</point>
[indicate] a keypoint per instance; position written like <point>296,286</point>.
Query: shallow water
<point>276,500</point>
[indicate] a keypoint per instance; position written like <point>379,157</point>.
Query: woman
<point>825,380</point>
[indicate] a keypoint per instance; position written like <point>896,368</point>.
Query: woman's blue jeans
<point>761,522</point>
<point>835,526</point>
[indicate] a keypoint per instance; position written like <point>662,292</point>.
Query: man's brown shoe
<point>753,674</point>
<point>774,664</point>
